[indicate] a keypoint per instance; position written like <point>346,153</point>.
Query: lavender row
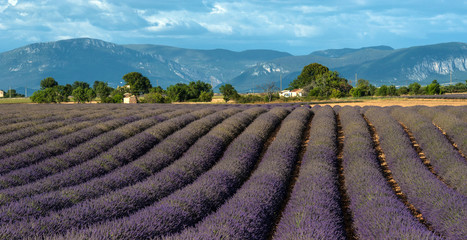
<point>82,152</point>
<point>460,111</point>
<point>76,125</point>
<point>442,207</point>
<point>84,172</point>
<point>61,144</point>
<point>17,147</point>
<point>43,126</point>
<point>454,127</point>
<point>190,204</point>
<point>32,119</point>
<point>251,212</point>
<point>376,211</point>
<point>7,128</point>
<point>61,198</point>
<point>139,195</point>
<point>313,211</point>
<point>445,160</point>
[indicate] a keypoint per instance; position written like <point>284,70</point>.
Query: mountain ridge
<point>86,59</point>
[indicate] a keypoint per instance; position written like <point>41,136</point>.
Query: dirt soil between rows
<point>404,102</point>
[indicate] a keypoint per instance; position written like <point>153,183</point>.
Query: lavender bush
<point>454,127</point>
<point>376,211</point>
<point>206,150</point>
<point>82,152</point>
<point>250,213</point>
<point>57,146</point>
<point>190,204</point>
<point>81,173</point>
<point>445,160</point>
<point>313,211</point>
<point>442,207</point>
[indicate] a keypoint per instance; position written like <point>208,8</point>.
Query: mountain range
<point>88,60</point>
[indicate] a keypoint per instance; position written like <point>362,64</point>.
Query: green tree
<point>414,88</point>
<point>206,96</point>
<point>356,92</point>
<point>77,84</point>
<point>62,93</point>
<point>39,96</point>
<point>382,91</point>
<point>139,84</point>
<point>336,93</point>
<point>403,90</point>
<point>392,90</point>
<point>49,95</point>
<point>154,97</point>
<point>365,88</point>
<point>178,92</point>
<point>115,97</point>
<point>229,92</point>
<point>67,90</point>
<point>157,89</point>
<point>102,90</point>
<point>309,75</point>
<point>48,83</point>
<point>79,95</point>
<point>322,86</point>
<point>433,88</point>
<point>90,94</point>
<point>196,88</point>
<point>12,93</point>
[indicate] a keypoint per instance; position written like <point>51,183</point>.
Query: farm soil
<point>405,102</point>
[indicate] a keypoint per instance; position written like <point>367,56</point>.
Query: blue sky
<point>295,26</point>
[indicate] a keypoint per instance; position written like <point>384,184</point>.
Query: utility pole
<point>281,82</point>
<point>356,79</point>
<point>450,77</point>
<point>9,90</point>
<point>25,91</point>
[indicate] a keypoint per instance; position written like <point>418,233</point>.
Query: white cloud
<point>12,2</point>
<point>101,5</point>
<point>314,9</point>
<point>218,28</point>
<point>218,9</point>
<point>301,30</point>
<point>283,23</point>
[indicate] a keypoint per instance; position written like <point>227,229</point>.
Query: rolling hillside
<point>91,59</point>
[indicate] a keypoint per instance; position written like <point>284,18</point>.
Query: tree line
<point>136,84</point>
<point>318,81</point>
<point>11,93</point>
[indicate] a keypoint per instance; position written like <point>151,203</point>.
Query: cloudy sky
<point>295,26</point>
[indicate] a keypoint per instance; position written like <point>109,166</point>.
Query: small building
<point>129,99</point>
<point>2,93</point>
<point>292,93</point>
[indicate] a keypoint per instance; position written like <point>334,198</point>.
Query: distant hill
<point>81,60</point>
<point>422,64</point>
<point>88,60</point>
<point>216,66</point>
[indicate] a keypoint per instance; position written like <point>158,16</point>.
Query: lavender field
<point>285,171</point>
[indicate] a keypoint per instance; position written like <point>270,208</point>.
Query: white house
<point>129,99</point>
<point>292,93</point>
<point>2,93</point>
